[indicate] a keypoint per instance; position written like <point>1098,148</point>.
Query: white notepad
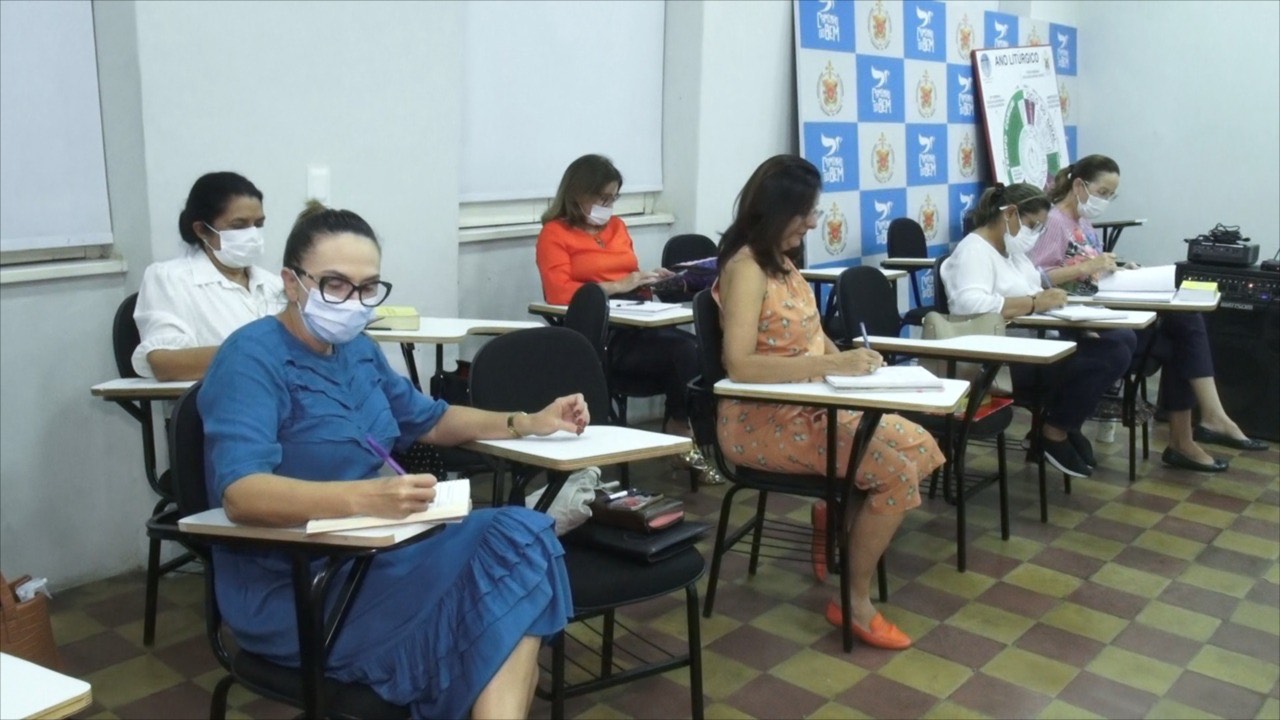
<point>452,503</point>
<point>888,378</point>
<point>640,307</point>
<point>1080,313</point>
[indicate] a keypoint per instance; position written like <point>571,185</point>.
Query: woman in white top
<point>989,271</point>
<point>187,306</point>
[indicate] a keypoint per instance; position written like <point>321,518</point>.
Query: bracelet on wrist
<point>511,424</point>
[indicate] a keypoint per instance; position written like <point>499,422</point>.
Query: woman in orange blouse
<point>583,242</point>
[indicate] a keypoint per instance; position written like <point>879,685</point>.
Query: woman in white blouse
<point>989,271</point>
<point>187,306</point>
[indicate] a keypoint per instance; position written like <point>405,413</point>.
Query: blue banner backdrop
<point>888,114</point>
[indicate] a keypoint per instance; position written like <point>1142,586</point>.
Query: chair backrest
<point>125,337</point>
<point>865,296</point>
<point>706,323</point>
<point>906,239</point>
<point>683,248</point>
<point>186,454</point>
<point>940,303</point>
<point>588,315</point>
<point>527,369</point>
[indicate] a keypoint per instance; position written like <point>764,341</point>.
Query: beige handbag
<point>941,327</point>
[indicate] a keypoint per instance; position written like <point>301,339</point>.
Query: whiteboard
<point>548,81</point>
<point>53,177</point>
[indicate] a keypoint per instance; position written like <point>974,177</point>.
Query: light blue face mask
<point>334,323</point>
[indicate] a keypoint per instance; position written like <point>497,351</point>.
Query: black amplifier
<point>1238,285</point>
<point>1233,254</point>
<point>1244,336</point>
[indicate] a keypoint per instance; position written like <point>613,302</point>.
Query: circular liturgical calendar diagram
<point>1032,145</point>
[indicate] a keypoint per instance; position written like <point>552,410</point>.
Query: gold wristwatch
<point>511,424</point>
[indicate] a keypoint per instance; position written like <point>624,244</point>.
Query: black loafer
<point>1082,447</point>
<point>1173,458</point>
<point>1204,434</point>
<point>1062,455</point>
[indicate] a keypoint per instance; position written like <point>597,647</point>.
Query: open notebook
<point>888,378</point>
<point>1081,313</point>
<point>452,503</point>
<point>640,307</point>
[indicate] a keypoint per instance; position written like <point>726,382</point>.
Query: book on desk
<point>395,317</point>
<point>641,308</point>
<point>452,504</point>
<point>1082,313</point>
<point>1154,284</point>
<point>891,378</point>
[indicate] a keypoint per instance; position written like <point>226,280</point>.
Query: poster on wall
<point>1022,112</point>
<point>887,103</point>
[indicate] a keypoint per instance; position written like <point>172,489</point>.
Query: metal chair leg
<point>695,650</point>
<point>152,592</point>
<point>557,677</point>
<point>718,550</point>
<point>218,703</point>
<point>758,533</point>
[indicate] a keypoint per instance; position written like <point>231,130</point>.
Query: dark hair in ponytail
<point>1027,197</point>
<point>1087,168</point>
<point>209,198</point>
<point>316,220</point>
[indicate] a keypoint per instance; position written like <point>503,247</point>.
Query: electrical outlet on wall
<point>318,183</point>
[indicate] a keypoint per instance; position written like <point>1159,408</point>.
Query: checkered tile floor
<point>1160,600</point>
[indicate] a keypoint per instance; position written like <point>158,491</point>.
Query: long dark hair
<point>782,189</point>
<point>316,220</point>
<point>1087,168</point>
<point>588,175</point>
<point>209,198</point>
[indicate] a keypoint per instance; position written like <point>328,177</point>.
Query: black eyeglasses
<point>337,290</point>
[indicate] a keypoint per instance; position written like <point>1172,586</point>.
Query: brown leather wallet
<point>637,511</point>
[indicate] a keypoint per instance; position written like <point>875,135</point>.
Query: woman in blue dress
<point>449,626</point>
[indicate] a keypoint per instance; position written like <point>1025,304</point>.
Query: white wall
<point>74,496</point>
<point>1186,98</point>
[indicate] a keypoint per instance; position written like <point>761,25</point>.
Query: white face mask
<point>334,323</point>
<point>1021,243</point>
<point>599,214</point>
<point>237,248</point>
<point>1093,207</point>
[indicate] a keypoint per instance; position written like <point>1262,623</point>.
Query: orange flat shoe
<point>883,634</point>
<point>818,550</point>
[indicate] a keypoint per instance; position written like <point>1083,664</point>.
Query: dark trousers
<point>1071,388</point>
<point>1182,347</point>
<point>649,362</point>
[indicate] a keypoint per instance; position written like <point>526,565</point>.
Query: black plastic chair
<point>526,370</point>
<point>790,538</point>
<point>162,525</point>
<point>906,240</point>
<point>306,687</point>
<point>687,248</point>
<point>866,298</point>
<point>588,315</point>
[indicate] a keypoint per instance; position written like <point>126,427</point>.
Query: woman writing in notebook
<point>1069,253</point>
<point>989,272</point>
<point>582,242</point>
<point>449,626</point>
<point>187,306</point>
<point>772,334</point>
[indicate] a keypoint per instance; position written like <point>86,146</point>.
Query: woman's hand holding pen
<point>568,413</point>
<point>862,361</point>
<point>396,497</point>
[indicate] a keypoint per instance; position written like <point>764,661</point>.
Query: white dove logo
<point>965,83</point>
<point>881,76</point>
<point>1001,29</point>
<point>826,7</point>
<point>831,144</point>
<point>967,200</point>
<point>883,208</point>
<point>926,143</point>
<point>924,15</point>
<point>1062,41</point>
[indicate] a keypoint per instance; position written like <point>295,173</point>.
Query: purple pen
<point>382,453</point>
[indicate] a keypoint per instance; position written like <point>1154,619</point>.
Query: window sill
<point>58,270</point>
<point>523,230</point>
